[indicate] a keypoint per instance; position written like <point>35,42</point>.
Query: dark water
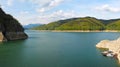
<point>53,49</point>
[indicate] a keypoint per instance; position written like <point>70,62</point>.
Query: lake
<point>57,49</point>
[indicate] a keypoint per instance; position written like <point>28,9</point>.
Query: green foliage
<point>86,23</point>
<point>82,24</point>
<point>114,25</point>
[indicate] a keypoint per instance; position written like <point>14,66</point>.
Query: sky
<point>46,11</point>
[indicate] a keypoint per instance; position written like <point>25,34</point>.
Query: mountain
<point>83,23</point>
<point>108,21</point>
<point>29,26</point>
<point>10,28</point>
<point>114,25</point>
<point>53,25</point>
<point>86,23</point>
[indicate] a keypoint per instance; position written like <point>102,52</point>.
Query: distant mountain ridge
<point>83,23</point>
<point>31,25</point>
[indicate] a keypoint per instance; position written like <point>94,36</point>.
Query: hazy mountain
<point>31,26</point>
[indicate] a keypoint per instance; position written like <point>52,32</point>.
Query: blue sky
<point>45,11</point>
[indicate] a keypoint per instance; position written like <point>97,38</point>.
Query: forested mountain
<point>114,25</point>
<point>84,23</point>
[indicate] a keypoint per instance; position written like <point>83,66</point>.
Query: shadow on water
<point>11,53</point>
<point>34,37</point>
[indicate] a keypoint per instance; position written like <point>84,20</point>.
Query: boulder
<point>113,46</point>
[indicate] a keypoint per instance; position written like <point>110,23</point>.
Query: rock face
<point>10,28</point>
<point>113,46</point>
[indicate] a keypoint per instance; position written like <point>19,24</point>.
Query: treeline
<point>85,23</point>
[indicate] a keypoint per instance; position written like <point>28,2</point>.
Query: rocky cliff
<point>113,46</point>
<point>10,28</point>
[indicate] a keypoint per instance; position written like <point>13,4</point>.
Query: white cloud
<point>108,8</point>
<point>39,2</point>
<point>62,15</point>
<point>58,15</point>
<point>41,5</point>
<point>41,10</point>
<point>55,3</point>
<point>49,5</point>
<point>26,18</point>
<point>10,2</point>
<point>24,12</point>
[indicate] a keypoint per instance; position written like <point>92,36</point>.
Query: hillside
<point>53,25</point>
<point>10,28</point>
<point>114,25</point>
<point>85,23</point>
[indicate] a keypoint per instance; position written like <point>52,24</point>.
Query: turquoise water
<point>57,49</point>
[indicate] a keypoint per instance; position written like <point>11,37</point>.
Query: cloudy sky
<point>45,11</point>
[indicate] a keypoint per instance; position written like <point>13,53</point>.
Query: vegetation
<point>85,23</point>
<point>114,25</point>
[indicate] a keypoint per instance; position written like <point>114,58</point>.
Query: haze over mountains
<point>83,23</point>
<point>31,25</point>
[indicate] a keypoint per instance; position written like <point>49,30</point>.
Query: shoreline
<point>84,31</point>
<point>77,30</point>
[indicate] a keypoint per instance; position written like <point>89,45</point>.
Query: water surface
<point>57,49</point>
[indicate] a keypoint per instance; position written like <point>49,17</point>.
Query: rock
<point>113,46</point>
<point>2,38</point>
<point>10,28</point>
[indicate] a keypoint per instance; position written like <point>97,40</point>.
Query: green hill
<point>84,23</point>
<point>53,25</point>
<point>114,25</point>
